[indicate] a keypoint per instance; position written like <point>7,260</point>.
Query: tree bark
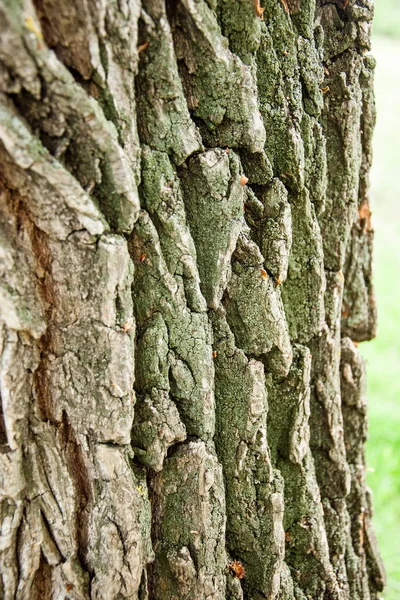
<point>186,273</point>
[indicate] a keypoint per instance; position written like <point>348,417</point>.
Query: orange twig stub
<point>243,180</point>
<point>264,273</point>
<point>259,9</point>
<point>364,216</point>
<point>237,569</point>
<point>142,47</point>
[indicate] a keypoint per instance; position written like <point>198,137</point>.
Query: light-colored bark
<point>185,246</point>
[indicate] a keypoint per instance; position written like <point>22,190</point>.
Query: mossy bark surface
<point>186,244</point>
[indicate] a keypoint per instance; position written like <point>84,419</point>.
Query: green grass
<point>383,354</point>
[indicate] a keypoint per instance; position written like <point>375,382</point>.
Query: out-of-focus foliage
<point>387,18</point>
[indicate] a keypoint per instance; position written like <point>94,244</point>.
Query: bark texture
<point>185,250</point>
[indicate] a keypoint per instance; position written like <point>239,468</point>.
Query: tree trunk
<point>186,272</point>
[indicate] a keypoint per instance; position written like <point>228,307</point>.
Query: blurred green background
<point>383,353</point>
<point>387,18</point>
